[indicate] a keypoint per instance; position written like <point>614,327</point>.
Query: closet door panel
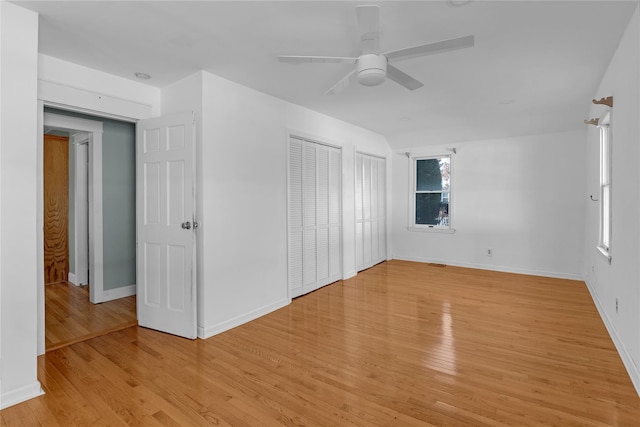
<point>309,264</point>
<point>322,266</point>
<point>367,243</point>
<point>314,221</point>
<point>295,217</point>
<point>296,249</point>
<point>334,253</point>
<point>370,194</point>
<point>309,185</point>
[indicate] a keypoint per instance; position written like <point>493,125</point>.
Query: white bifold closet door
<point>314,219</point>
<point>371,223</point>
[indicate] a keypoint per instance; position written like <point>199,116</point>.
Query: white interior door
<point>165,169</point>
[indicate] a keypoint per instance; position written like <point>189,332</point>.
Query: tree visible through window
<point>432,191</point>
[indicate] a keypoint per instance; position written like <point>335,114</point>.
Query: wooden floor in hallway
<point>400,344</point>
<point>70,317</point>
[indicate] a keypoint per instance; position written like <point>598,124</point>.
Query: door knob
<point>186,225</point>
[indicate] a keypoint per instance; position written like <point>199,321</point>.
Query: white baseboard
<point>209,331</point>
<point>502,269</point>
<point>72,278</point>
<point>349,274</point>
<point>627,359</point>
<point>125,291</point>
<point>21,394</point>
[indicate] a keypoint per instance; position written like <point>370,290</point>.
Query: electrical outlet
<point>616,305</point>
<point>489,252</point>
<point>593,268</point>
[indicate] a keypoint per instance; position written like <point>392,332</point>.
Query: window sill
<point>605,253</point>
<point>432,229</point>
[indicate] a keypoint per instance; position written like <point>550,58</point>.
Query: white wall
<point>243,189</point>
<point>66,84</point>
<point>18,136</point>
<point>621,279</point>
<point>524,198</point>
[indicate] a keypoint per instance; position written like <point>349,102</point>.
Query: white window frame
<point>604,199</point>
<point>411,217</point>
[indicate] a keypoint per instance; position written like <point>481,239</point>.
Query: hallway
<point>71,318</point>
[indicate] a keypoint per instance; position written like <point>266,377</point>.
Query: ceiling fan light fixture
<point>372,69</point>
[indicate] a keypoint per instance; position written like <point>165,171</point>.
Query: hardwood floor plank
<point>401,344</point>
<point>71,318</point>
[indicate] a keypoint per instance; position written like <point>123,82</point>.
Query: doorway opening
<point>93,229</point>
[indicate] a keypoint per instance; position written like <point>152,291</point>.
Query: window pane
<point>606,218</point>
<point>428,175</point>
<point>432,208</point>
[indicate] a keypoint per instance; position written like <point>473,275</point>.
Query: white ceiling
<point>534,68</point>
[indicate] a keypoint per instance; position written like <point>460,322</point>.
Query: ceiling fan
<point>373,67</point>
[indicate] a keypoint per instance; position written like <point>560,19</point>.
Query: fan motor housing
<point>372,69</point>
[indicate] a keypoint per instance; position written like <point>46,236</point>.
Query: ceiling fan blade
<point>292,59</point>
<point>429,48</point>
<point>402,78</point>
<point>369,28</point>
<point>342,84</point>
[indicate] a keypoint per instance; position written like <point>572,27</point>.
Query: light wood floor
<point>71,318</point>
<point>402,344</point>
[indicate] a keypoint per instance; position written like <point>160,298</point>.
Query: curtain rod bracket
<point>608,101</point>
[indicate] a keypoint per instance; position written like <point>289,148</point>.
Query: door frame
<point>386,209</point>
<point>80,143</point>
<point>305,137</point>
<point>93,128</point>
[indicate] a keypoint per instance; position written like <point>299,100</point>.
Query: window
<point>431,193</point>
<point>605,184</point>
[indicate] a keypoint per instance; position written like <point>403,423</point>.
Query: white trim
<point>411,211</point>
<point>627,358</point>
<point>96,244</point>
<point>40,230</point>
<point>292,133</point>
<point>71,124</point>
<point>349,274</point>
<point>384,186</point>
<point>432,228</point>
<point>605,150</point>
<point>81,207</point>
<point>125,291</point>
<point>366,153</point>
<point>21,394</point>
<point>72,279</point>
<point>305,137</point>
<point>90,102</point>
<point>605,252</point>
<point>94,129</point>
<point>209,331</point>
<point>503,269</point>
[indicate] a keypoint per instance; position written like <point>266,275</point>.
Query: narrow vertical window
<point>431,201</point>
<point>605,184</point>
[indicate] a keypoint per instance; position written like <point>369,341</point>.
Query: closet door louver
<point>314,215</point>
<point>295,217</point>
<point>370,207</point>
